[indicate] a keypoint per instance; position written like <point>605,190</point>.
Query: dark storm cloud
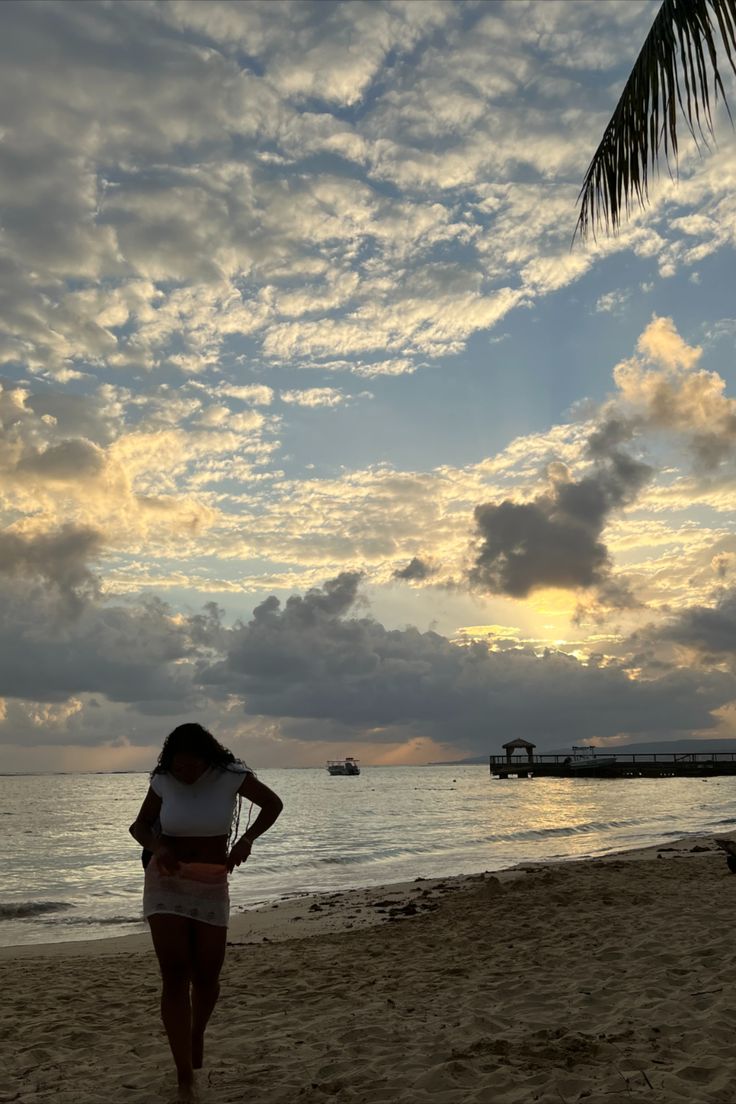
<point>554,541</point>
<point>612,432</point>
<point>315,663</point>
<point>708,629</point>
<point>129,655</point>
<point>535,544</point>
<point>58,639</point>
<point>60,557</point>
<point>415,570</point>
<point>310,660</point>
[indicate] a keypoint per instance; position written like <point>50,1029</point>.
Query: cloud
<point>531,545</point>
<point>52,652</point>
<point>59,557</point>
<point>75,460</point>
<point>721,328</point>
<point>256,393</point>
<point>234,198</point>
<point>322,661</point>
<point>708,630</point>
<point>219,416</point>
<point>366,369</point>
<point>190,473</point>
<point>315,396</point>
<point>332,53</point>
<point>143,477</point>
<point>554,540</point>
<point>662,344</point>
<point>415,571</point>
<point>189,198</point>
<point>310,659</point>
<point>613,302</point>
<point>663,388</point>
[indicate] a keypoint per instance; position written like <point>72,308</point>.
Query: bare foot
<point>187,1092</point>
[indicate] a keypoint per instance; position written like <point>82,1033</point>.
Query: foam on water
<point>21,910</point>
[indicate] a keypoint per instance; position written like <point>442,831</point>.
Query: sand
<point>597,981</point>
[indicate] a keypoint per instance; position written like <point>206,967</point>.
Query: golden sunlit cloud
<point>211,247</point>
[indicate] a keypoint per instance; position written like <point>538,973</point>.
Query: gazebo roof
<point>518,744</point>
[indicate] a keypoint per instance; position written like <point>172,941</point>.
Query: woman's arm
<point>271,806</point>
<point>142,827</point>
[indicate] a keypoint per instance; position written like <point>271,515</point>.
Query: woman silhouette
<point>194,789</point>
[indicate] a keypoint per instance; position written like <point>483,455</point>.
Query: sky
<point>316,429</point>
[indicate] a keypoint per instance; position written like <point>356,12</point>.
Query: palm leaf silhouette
<point>679,54</point>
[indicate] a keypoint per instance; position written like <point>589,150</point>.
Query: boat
<point>594,763</point>
<point>343,766</point>
<point>584,759</point>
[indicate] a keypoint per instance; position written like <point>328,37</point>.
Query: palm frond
<point>679,54</point>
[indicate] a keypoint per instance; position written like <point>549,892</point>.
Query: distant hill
<point>648,747</point>
<point>476,759</point>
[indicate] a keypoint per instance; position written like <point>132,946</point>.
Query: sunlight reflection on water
<point>67,839</point>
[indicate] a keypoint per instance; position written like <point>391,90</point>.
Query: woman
<point>193,793</point>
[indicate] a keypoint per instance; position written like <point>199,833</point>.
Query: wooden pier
<point>690,764</point>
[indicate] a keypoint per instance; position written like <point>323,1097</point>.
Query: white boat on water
<point>343,766</point>
<point>594,763</point>
<point>584,758</point>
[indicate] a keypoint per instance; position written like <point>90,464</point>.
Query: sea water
<point>72,871</point>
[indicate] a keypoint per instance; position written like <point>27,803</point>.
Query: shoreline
<point>333,911</point>
<point>592,981</point>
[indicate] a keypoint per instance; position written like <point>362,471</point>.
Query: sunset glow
<point>314,428</point>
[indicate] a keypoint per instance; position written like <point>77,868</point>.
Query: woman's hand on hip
<point>239,853</point>
<point>166,859</point>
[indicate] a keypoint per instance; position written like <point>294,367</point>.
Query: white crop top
<point>202,808</point>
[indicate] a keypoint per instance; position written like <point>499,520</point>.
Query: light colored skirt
<point>197,890</point>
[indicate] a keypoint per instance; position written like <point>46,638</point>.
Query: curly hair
<point>193,739</point>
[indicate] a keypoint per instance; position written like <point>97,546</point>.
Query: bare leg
<point>204,999</point>
<point>172,942</point>
<point>208,954</point>
<point>176,1012</point>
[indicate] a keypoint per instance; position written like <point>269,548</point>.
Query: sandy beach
<point>599,981</point>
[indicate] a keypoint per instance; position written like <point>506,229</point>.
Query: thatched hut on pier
<point>516,745</point>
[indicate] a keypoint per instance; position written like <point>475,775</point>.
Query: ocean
<point>71,870</point>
